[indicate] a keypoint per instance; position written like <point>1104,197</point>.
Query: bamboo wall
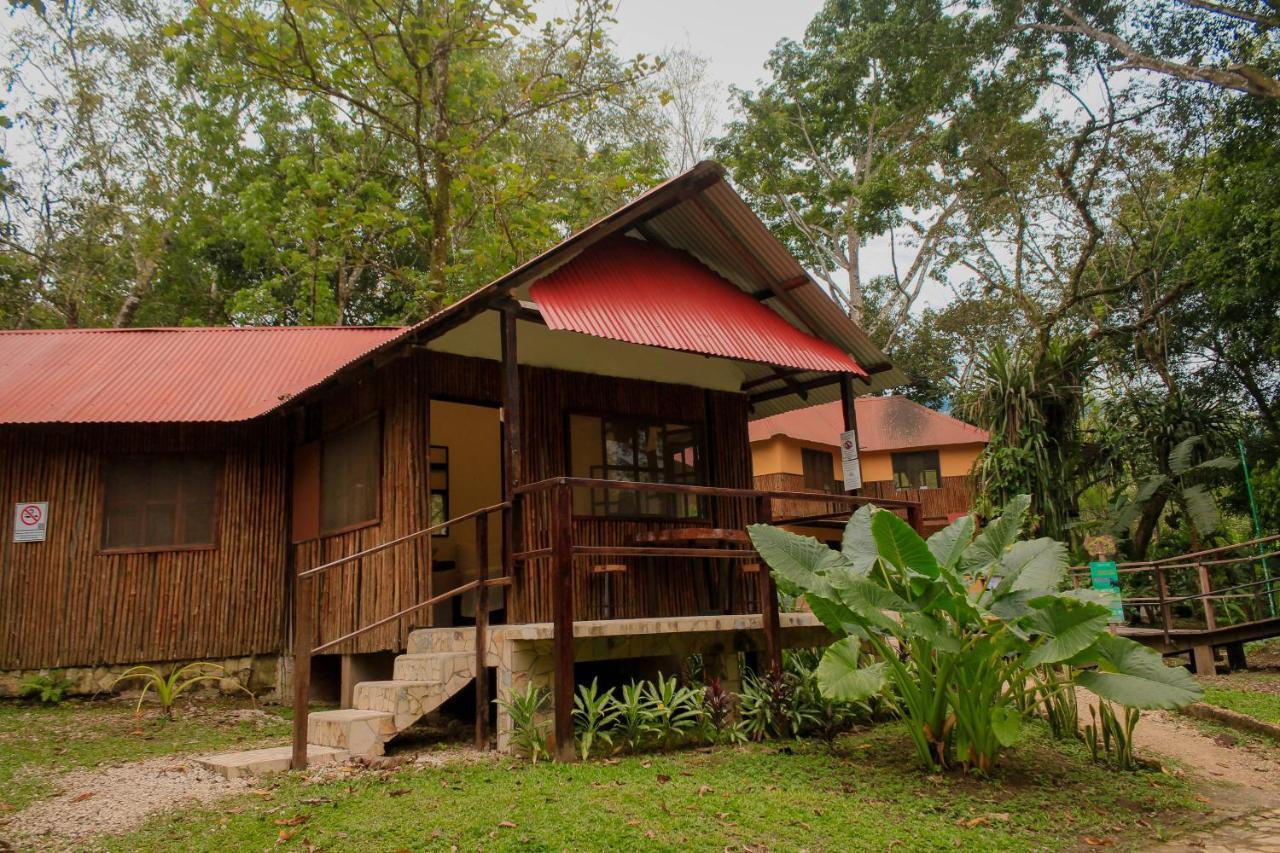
<point>62,603</point>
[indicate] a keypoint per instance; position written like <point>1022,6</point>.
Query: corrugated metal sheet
<point>648,294</point>
<point>884,423</point>
<point>168,375</point>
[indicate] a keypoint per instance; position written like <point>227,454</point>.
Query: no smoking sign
<point>30,521</point>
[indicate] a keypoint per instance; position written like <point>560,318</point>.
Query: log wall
<point>63,603</point>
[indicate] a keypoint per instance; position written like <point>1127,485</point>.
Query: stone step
<point>452,669</point>
<point>406,701</point>
<point>429,640</point>
<point>359,731</point>
<point>274,759</point>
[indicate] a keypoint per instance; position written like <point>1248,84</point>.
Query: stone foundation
<point>259,673</point>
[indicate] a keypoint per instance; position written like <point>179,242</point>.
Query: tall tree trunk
<point>857,302</point>
<point>1147,523</point>
<point>142,280</point>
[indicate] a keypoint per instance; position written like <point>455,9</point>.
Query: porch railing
<point>560,549</point>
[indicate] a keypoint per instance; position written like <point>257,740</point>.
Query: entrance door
<point>466,474</point>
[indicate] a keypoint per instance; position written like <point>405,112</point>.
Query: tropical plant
<point>959,624</point>
<point>718,722</point>
<point>674,709</point>
<point>1055,692</point>
<point>529,725</point>
<point>593,715</point>
<point>47,688</point>
<point>772,706</point>
<point>634,726</point>
<point>169,687</point>
<point>1116,732</point>
<point>1186,483</point>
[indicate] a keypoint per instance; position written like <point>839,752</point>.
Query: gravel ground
<point>107,800</point>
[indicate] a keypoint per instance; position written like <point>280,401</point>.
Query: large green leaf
<point>1037,564</point>
<point>1132,674</point>
<point>840,677</point>
<point>1006,724</point>
<point>933,630</point>
<point>1201,507</point>
<point>857,544</point>
<point>996,537</point>
<point>901,546</point>
<point>838,619</point>
<point>948,544</point>
<point>798,562</point>
<point>1069,626</point>
<point>869,600</point>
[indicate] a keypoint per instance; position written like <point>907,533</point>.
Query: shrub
<point>719,724</point>
<point>169,687</point>
<point>959,625</point>
<point>593,713</point>
<point>634,726</point>
<point>528,728</point>
<point>674,710</point>
<point>47,688</point>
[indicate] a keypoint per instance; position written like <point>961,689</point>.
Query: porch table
<point>712,592</point>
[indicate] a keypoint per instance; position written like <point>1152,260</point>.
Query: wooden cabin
<point>553,472</point>
<point>906,452</point>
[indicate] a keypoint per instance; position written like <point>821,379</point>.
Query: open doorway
<point>466,474</point>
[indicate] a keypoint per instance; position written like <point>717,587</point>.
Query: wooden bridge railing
<point>1203,563</point>
<point>562,549</point>
<point>306,600</point>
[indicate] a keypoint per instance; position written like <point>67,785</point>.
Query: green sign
<point>1106,579</point>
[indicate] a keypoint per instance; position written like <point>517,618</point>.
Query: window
<point>918,470</point>
<point>160,501</point>
<point>819,470</point>
<point>351,476</point>
<point>440,487</point>
<point>644,451</point>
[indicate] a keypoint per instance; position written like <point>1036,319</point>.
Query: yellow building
<point>907,451</point>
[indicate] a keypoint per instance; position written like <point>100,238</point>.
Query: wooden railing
<point>562,549</point>
<point>305,599</point>
<point>1261,591</point>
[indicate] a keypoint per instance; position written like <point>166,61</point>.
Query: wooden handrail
<point>435,599</point>
<point>711,491</point>
<point>426,531</point>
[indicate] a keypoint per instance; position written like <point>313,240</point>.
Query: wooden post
<point>769,598</point>
<point>482,632</point>
<point>562,618</point>
<point>303,640</point>
<point>915,517</point>
<point>1210,617</point>
<point>849,410</point>
<point>512,444</point>
<point>1162,592</point>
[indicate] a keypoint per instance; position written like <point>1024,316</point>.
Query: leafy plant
<point>593,713</point>
<point>770,706</point>
<point>959,625</point>
<point>528,722</point>
<point>48,688</point>
<point>634,726</point>
<point>675,710</point>
<point>1055,692</point>
<point>719,725</point>
<point>1116,732</point>
<point>169,687</point>
<point>1186,483</point>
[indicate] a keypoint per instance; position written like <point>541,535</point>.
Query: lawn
<point>867,794</point>
<point>39,743</point>
<point>1260,705</point>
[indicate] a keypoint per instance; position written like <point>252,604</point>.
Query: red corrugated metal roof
<point>161,375</point>
<point>649,294</point>
<point>884,423</point>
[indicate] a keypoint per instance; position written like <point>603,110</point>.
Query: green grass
<point>38,743</point>
<point>869,795</point>
<point>1260,706</point>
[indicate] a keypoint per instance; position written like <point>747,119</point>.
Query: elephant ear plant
<point>960,625</point>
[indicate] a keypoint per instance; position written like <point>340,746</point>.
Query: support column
<point>303,638</point>
<point>850,412</point>
<point>482,632</point>
<point>1202,660</point>
<point>562,618</point>
<point>769,598</point>
<point>512,443</point>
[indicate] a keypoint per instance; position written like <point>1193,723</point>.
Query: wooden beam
<point>303,640</point>
<point>482,632</point>
<point>765,380</point>
<point>562,619</point>
<point>512,440</point>
<point>769,598</point>
<point>810,385</point>
<point>849,410</point>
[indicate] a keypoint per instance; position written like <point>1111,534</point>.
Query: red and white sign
<point>30,521</point>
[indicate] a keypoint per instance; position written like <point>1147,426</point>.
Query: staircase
<point>439,662</point>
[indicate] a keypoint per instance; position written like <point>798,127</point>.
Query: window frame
<point>829,487</point>
<point>377,510</point>
<point>936,458</point>
<point>701,457</point>
<point>432,467</point>
<point>219,480</point>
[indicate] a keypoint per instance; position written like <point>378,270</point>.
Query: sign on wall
<point>30,521</point>
<point>849,460</point>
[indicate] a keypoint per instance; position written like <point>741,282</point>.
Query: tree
<point>692,107</point>
<point>853,137</point>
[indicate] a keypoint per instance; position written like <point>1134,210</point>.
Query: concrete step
<point>406,701</point>
<point>452,669</point>
<point>274,759</point>
<point>359,731</point>
<point>430,640</point>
